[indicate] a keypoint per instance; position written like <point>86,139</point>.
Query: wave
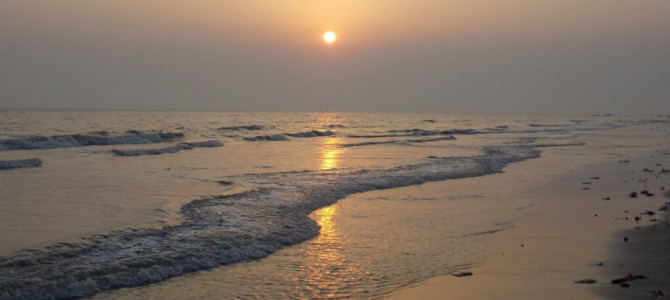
<point>404,142</point>
<point>218,230</point>
<point>94,138</point>
<point>244,127</point>
<point>275,137</point>
<point>418,132</point>
<point>549,125</point>
<point>559,145</point>
<point>21,163</point>
<point>284,137</point>
<point>368,143</point>
<point>313,133</point>
<point>205,144</point>
<point>167,150</point>
<point>446,138</point>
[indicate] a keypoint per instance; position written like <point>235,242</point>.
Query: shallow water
<point>132,220</point>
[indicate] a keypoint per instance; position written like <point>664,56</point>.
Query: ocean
<point>156,205</point>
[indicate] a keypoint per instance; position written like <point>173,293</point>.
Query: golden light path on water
<point>330,152</point>
<point>326,265</point>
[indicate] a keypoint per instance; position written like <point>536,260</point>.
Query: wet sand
<point>582,227</point>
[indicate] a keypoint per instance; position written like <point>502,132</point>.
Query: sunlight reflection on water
<point>326,263</point>
<point>330,152</point>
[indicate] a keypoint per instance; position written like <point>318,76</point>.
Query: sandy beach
<point>584,231</point>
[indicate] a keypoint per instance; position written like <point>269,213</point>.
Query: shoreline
<point>573,233</point>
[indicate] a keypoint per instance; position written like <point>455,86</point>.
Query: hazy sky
<point>511,56</point>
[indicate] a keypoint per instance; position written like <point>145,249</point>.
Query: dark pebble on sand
<point>585,281</point>
<point>633,194</point>
<point>629,277</point>
<point>647,193</point>
<point>462,274</point>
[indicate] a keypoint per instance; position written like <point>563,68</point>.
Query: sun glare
<point>329,37</point>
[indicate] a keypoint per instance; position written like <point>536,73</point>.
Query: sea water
<point>245,205</point>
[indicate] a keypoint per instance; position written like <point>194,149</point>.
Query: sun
<point>329,37</point>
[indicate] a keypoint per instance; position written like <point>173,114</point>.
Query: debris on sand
<point>647,193</point>
<point>657,295</point>
<point>585,281</point>
<point>629,277</point>
<point>462,274</point>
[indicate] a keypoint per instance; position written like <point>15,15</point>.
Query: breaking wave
<point>218,230</point>
<point>22,163</point>
<point>94,138</point>
<point>166,150</point>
